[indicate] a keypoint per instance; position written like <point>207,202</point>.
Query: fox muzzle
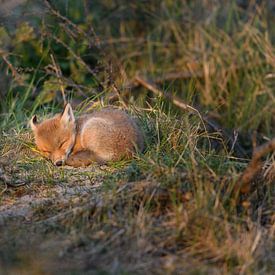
<point>59,163</point>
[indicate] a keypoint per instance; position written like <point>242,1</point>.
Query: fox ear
<point>67,116</point>
<point>33,122</point>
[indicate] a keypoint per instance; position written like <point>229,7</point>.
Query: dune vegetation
<point>200,77</point>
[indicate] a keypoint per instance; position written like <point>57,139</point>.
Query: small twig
<point>59,76</point>
<point>254,166</point>
<point>92,39</point>
<point>119,95</point>
<point>77,57</point>
<point>189,73</point>
<point>169,76</point>
<point>111,83</point>
<point>174,99</point>
<point>71,24</point>
<point>14,72</point>
<point>186,107</point>
<point>71,51</point>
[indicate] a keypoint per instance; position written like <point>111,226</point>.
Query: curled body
<point>105,135</point>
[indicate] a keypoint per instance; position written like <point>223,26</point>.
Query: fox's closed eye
<point>62,143</point>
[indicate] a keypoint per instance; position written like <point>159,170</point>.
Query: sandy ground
<point>27,211</point>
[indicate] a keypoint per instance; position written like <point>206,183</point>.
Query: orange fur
<point>106,135</point>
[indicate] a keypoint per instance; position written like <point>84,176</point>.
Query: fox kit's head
<point>55,137</point>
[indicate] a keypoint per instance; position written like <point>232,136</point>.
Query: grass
<point>167,210</point>
<point>170,209</point>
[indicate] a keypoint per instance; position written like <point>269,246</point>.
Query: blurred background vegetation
<point>218,55</point>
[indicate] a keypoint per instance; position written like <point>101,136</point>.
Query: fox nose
<point>58,163</point>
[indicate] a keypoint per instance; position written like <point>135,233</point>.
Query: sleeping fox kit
<point>106,135</point>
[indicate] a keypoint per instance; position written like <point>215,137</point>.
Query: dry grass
<point>171,209</point>
<point>168,210</point>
